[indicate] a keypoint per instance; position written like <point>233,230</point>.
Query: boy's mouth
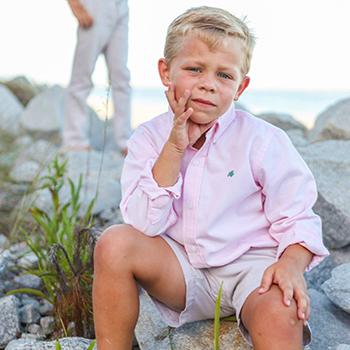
<point>203,102</point>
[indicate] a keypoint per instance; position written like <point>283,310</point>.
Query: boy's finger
<point>266,282</point>
<point>183,100</point>
<point>287,291</point>
<point>303,305</point>
<point>182,119</point>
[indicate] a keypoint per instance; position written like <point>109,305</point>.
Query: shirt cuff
<point>149,185</point>
<point>317,248</point>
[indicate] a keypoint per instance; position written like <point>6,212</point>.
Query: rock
<point>341,255</point>
<point>46,308</point>
<point>9,320</point>
<point>297,137</point>
<point>331,168</point>
<point>29,314</point>
<point>35,329</point>
<point>28,281</point>
<point>47,324</point>
<point>337,288</point>
<point>343,347</point>
<point>23,89</point>
<point>319,274</point>
<point>25,172</point>
<point>75,343</point>
<point>330,325</point>
<point>153,334</point>
<point>281,120</point>
<point>44,113</point>
<point>4,242</point>
<point>10,111</point>
<point>39,151</point>
<point>28,261</point>
<point>333,151</point>
<point>48,106</point>
<point>333,123</point>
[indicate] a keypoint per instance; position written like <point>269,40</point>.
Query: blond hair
<point>212,25</point>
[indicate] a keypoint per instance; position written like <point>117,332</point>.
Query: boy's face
<point>213,77</point>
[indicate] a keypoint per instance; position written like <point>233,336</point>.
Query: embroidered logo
<point>231,173</point>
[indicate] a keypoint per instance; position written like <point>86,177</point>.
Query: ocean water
<point>304,106</point>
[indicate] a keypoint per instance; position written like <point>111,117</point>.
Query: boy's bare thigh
<point>150,259</point>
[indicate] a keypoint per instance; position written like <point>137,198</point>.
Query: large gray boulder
<point>282,120</point>
<point>23,89</point>
<point>337,288</point>
<point>10,111</point>
<point>330,164</point>
<point>9,319</point>
<point>44,113</point>
<point>44,118</point>
<point>330,325</point>
<point>153,334</point>
<point>333,123</point>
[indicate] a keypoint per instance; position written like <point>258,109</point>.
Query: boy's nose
<point>207,83</point>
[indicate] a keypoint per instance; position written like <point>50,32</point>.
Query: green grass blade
<point>31,291</point>
<point>91,346</point>
<point>58,345</point>
<point>217,319</point>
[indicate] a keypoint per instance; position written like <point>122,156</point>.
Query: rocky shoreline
<point>30,133</point>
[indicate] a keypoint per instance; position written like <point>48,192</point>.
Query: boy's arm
<point>290,193</point>
<point>82,15</point>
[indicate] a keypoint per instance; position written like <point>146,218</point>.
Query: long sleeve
<point>290,192</point>
<point>145,205</point>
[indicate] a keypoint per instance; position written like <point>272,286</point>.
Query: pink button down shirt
<point>246,187</point>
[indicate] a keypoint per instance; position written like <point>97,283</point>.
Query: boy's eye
<point>193,69</point>
<point>224,75</point>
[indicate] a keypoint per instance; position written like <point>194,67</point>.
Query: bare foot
<point>82,15</point>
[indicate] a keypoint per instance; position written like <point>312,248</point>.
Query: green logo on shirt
<point>231,173</point>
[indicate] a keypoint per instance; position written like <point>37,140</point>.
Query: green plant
<point>217,319</point>
<point>59,347</point>
<point>63,242</point>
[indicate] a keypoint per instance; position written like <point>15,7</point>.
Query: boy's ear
<point>163,70</point>
<point>244,84</point>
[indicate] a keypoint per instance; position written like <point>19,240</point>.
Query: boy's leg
<point>270,323</point>
<point>123,255</point>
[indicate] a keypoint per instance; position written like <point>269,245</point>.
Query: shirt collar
<point>223,122</point>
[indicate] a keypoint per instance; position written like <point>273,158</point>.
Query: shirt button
<point>196,162</point>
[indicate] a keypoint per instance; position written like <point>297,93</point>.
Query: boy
<point>103,28</point>
<point>210,194</point>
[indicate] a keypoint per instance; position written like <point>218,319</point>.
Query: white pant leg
<point>116,55</point>
<point>90,43</point>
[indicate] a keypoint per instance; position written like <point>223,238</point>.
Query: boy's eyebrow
<point>222,67</point>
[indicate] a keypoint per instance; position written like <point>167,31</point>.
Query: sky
<point>302,44</point>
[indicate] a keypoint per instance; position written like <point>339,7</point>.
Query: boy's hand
<point>82,15</point>
<point>290,279</point>
<point>184,131</point>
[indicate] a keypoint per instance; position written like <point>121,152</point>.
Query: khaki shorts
<point>239,278</point>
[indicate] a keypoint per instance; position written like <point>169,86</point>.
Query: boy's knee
<point>280,318</point>
<point>114,245</point>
